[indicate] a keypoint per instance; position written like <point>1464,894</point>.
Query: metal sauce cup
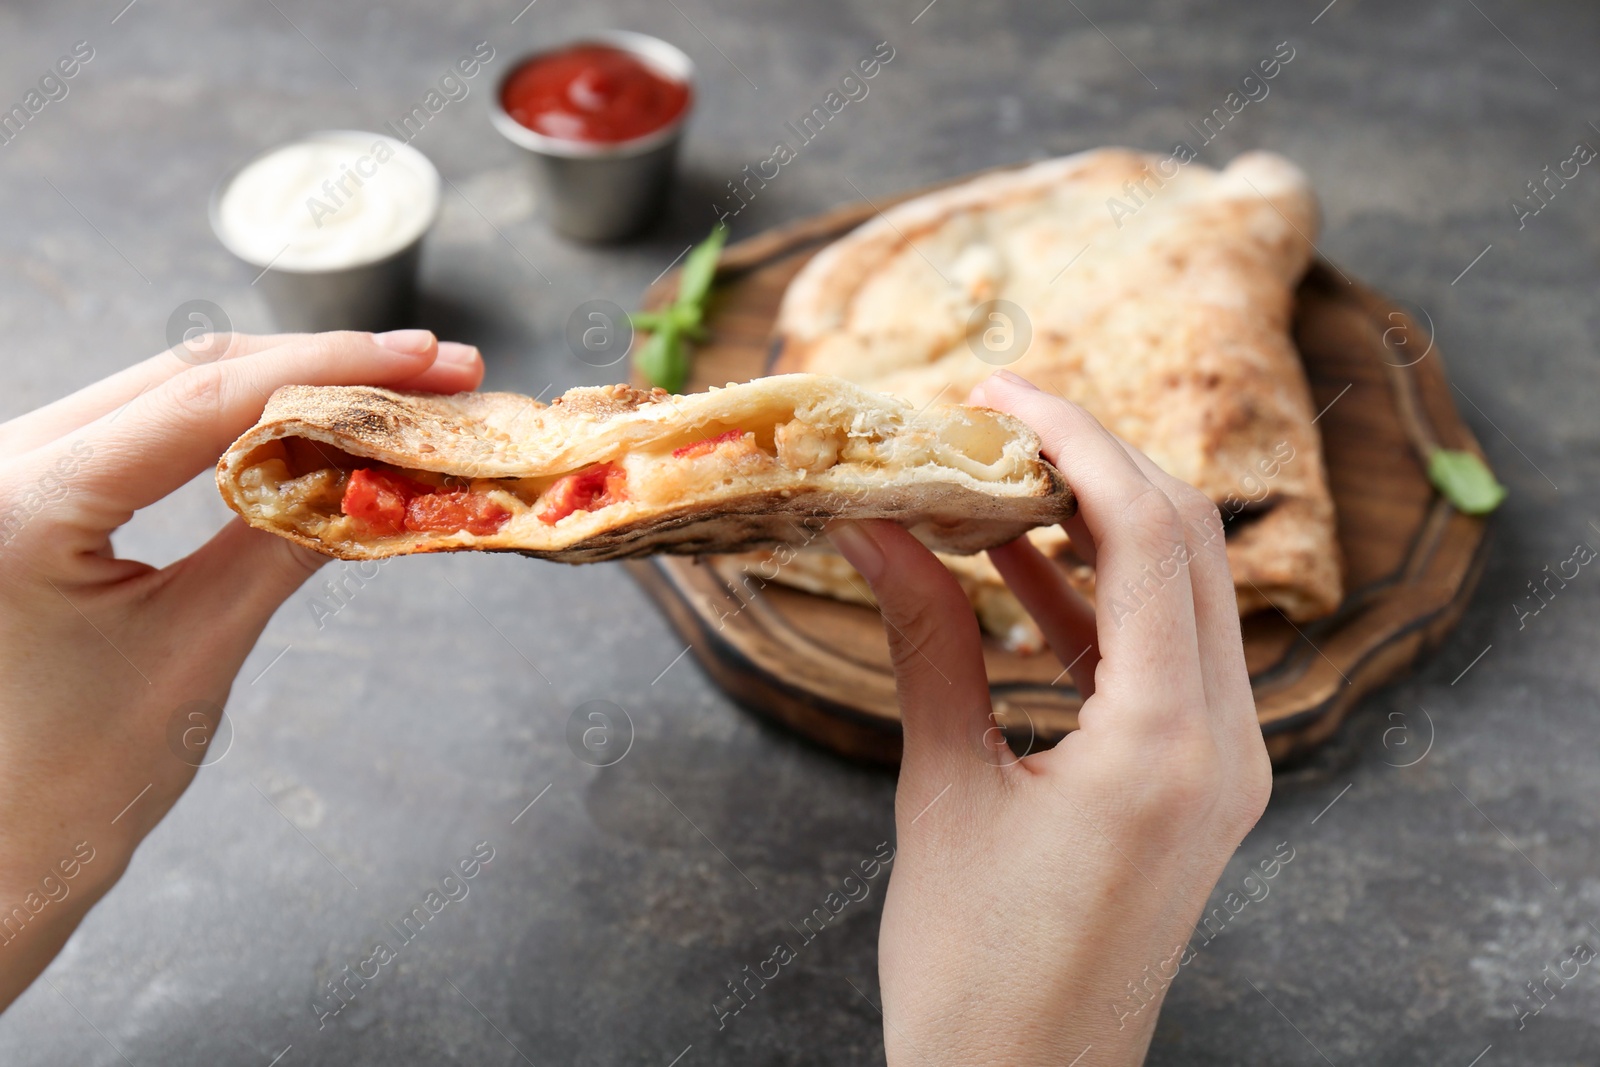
<point>594,191</point>
<point>371,294</point>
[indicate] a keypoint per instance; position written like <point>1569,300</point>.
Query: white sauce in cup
<point>329,202</point>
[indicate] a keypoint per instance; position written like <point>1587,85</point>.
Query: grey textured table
<point>377,746</point>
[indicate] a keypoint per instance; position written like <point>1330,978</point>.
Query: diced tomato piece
<point>392,503</point>
<point>587,490</point>
<point>451,510</point>
<point>379,498</point>
<point>706,447</point>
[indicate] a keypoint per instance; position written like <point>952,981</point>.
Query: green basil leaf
<point>663,360</point>
<point>701,266</point>
<point>685,316</point>
<point>1465,481</point>
<point>676,374</point>
<point>658,359</point>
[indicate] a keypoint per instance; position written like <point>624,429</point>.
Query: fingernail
<point>857,546</point>
<point>458,353</point>
<point>1015,379</point>
<point>410,342</point>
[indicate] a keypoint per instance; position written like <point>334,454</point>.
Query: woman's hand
<point>1030,898</point>
<point>100,656</point>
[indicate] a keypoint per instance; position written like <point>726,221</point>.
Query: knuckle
<point>909,633</point>
<point>1200,515</point>
<point>239,344</point>
<point>1188,788</point>
<point>299,561</point>
<point>1058,421</point>
<point>1149,506</point>
<point>1153,517</point>
<point>330,347</point>
<point>1181,779</point>
<point>1066,420</point>
<point>342,339</point>
<point>1192,504</point>
<point>1194,784</point>
<point>200,390</point>
<point>1254,779</point>
<point>915,627</point>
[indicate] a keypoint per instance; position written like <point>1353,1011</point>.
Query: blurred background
<point>375,745</point>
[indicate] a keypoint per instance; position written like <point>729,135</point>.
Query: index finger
<point>168,435</point>
<point>98,399</point>
<point>43,425</point>
<point>1144,608</point>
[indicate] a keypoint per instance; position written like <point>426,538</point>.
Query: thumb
<point>233,583</point>
<point>934,642</point>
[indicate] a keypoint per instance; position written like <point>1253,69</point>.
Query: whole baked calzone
<point>1158,294</point>
<point>607,472</point>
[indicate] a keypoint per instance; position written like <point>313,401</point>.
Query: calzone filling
<point>330,494</point>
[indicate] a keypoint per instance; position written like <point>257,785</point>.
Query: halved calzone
<point>608,472</point>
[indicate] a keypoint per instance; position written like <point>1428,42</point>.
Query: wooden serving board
<point>821,666</point>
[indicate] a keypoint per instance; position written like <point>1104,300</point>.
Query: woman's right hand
<point>109,667</point>
<point>1031,897</point>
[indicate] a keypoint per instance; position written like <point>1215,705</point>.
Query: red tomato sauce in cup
<point>594,93</point>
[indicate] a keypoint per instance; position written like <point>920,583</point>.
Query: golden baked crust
<point>1159,296</point>
<point>763,463</point>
